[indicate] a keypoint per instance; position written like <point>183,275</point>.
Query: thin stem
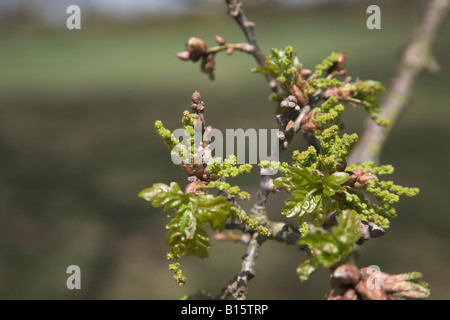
<point>416,57</point>
<point>229,236</point>
<point>244,47</point>
<point>236,11</point>
<point>237,289</point>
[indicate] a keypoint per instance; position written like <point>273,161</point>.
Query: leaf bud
<point>220,40</point>
<point>346,274</point>
<point>184,55</point>
<point>196,47</point>
<point>340,64</point>
<point>305,73</point>
<point>208,63</point>
<point>302,100</point>
<point>196,97</point>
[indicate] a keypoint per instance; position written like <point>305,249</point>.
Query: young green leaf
<point>329,248</point>
<point>163,195</point>
<point>212,210</point>
<point>333,183</point>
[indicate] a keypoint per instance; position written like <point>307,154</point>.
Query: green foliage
<point>312,193</point>
<point>319,184</point>
<point>174,266</point>
<point>187,235</point>
<point>327,248</point>
<point>364,93</point>
<point>319,181</point>
<point>282,167</point>
<point>278,66</point>
<point>223,186</point>
<point>228,168</point>
<point>326,64</point>
<point>166,135</point>
<point>387,193</point>
<point>249,222</point>
<point>329,112</point>
<point>284,67</point>
<point>335,149</point>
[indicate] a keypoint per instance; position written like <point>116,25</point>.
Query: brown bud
<point>184,55</point>
<point>359,178</point>
<point>370,293</point>
<point>366,178</point>
<point>306,118</point>
<point>196,97</point>
<point>196,45</point>
<point>308,123</point>
<point>229,51</point>
<point>198,108</point>
<point>192,187</point>
<point>199,171</point>
<point>309,127</point>
<point>302,100</point>
<point>339,93</point>
<point>220,40</point>
<point>208,63</point>
<point>189,170</point>
<point>196,48</point>
<point>305,73</point>
<point>340,64</point>
<point>346,275</point>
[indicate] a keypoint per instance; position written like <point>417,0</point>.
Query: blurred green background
<point>77,144</point>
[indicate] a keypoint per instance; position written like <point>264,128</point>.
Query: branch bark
<point>235,10</point>
<point>237,289</point>
<point>415,58</point>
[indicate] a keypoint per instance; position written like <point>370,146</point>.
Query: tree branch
<point>416,57</point>
<point>235,10</point>
<point>237,289</point>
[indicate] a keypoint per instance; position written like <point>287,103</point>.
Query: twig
<point>236,11</point>
<point>244,47</point>
<point>416,57</point>
<point>229,236</point>
<point>280,231</point>
<point>237,289</point>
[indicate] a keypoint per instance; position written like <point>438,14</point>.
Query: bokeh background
<point>77,144</point>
